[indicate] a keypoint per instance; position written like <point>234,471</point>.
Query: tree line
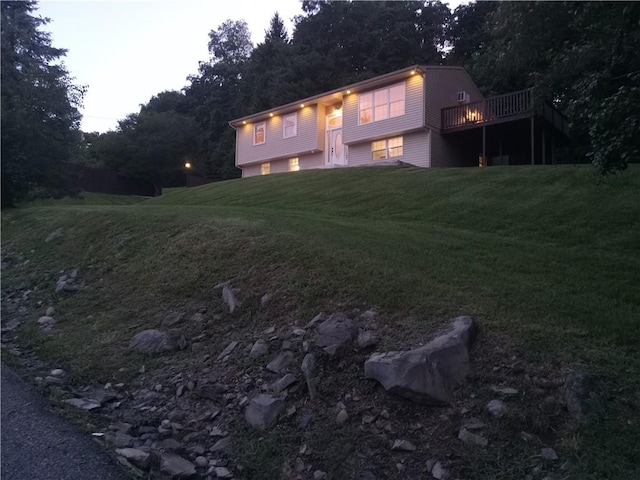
<point>581,55</point>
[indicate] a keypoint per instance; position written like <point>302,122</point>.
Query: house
<point>425,116</point>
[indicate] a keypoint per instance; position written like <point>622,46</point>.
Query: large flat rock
<point>427,374</point>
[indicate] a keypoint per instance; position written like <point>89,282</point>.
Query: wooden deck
<point>499,109</point>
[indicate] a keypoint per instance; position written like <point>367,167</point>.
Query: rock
<point>280,362</point>
<point>342,417</point>
<point>53,235</point>
<point>172,319</point>
<point>202,462</point>
<point>69,283</point>
<point>314,321</point>
<point>150,342</point>
<point>82,403</point>
<point>138,458</point>
<point>579,394</point>
<point>548,453</point>
<point>259,349</point>
<point>430,464</point>
<point>474,424</point>
<point>336,331</point>
<point>229,298</point>
<point>223,445</point>
<point>263,410</point>
<point>426,374</point>
<point>286,345</point>
<point>211,391</point>
<point>266,298</point>
<point>182,342</point>
<point>57,372</point>
<point>505,390</point>
<point>50,312</point>
<point>175,466</point>
<point>46,322</point>
<point>122,440</point>
<point>439,472</point>
<point>170,445</point>
<point>308,366</point>
<point>283,383</point>
<point>467,437</point>
<point>403,446</point>
<point>366,339</point>
<point>497,408</point>
<point>319,475</point>
<point>227,350</point>
<point>222,472</point>
<point>217,432</point>
<point>305,420</point>
<point>299,332</point>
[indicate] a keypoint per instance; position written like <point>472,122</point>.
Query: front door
<point>336,148</point>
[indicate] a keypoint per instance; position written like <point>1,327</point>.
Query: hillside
<point>545,260</point>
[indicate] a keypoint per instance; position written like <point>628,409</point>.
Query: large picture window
<point>290,126</point>
<point>259,133</point>
<point>381,104</point>
<point>387,148</point>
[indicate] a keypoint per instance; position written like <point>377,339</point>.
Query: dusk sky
<point>127,51</point>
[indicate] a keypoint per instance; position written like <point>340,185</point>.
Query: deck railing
<point>488,110</point>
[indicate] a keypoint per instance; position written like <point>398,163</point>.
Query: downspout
<point>235,160</point>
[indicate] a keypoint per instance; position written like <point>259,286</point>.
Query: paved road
<point>37,444</point>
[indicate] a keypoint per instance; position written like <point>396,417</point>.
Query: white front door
<point>336,148</point>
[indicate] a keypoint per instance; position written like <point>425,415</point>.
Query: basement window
<point>387,148</point>
<point>294,164</point>
<point>265,168</point>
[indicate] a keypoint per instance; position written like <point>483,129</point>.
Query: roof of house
<point>336,95</point>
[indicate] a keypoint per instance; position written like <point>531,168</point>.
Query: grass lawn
<point>546,258</point>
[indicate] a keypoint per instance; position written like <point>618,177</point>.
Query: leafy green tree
<point>583,56</point>
<point>466,33</point>
<point>150,145</point>
<point>215,92</point>
<point>40,117</point>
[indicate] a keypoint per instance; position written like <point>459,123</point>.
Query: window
<point>387,148</point>
<point>290,126</point>
<point>259,133</point>
<point>381,104</point>
<point>294,165</point>
<point>266,168</point>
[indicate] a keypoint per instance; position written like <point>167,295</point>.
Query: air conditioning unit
<point>463,97</point>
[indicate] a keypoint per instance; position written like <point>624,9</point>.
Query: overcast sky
<point>126,51</point>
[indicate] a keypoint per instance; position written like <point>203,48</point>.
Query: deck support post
<point>500,150</point>
<point>484,147</point>
<point>533,148</point>
<point>553,151</point>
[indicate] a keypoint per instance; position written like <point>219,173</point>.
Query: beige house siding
<point>412,119</point>
<point>416,151</point>
<point>305,162</point>
<point>441,87</point>
<point>309,131</point>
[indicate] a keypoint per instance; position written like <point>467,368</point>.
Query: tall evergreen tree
<point>40,117</point>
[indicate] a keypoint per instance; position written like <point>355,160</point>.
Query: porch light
<point>413,72</point>
<point>187,165</point>
<point>348,92</point>
<point>302,105</point>
<point>244,122</point>
<point>271,114</point>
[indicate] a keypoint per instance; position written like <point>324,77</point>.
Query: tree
<point>583,56</point>
<point>214,94</point>
<point>466,33</point>
<point>40,118</point>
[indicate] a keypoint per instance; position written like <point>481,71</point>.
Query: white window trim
<point>386,148</point>
<point>372,94</point>
<point>295,126</point>
<point>264,129</point>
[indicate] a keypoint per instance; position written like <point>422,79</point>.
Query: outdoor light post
<point>187,167</point>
